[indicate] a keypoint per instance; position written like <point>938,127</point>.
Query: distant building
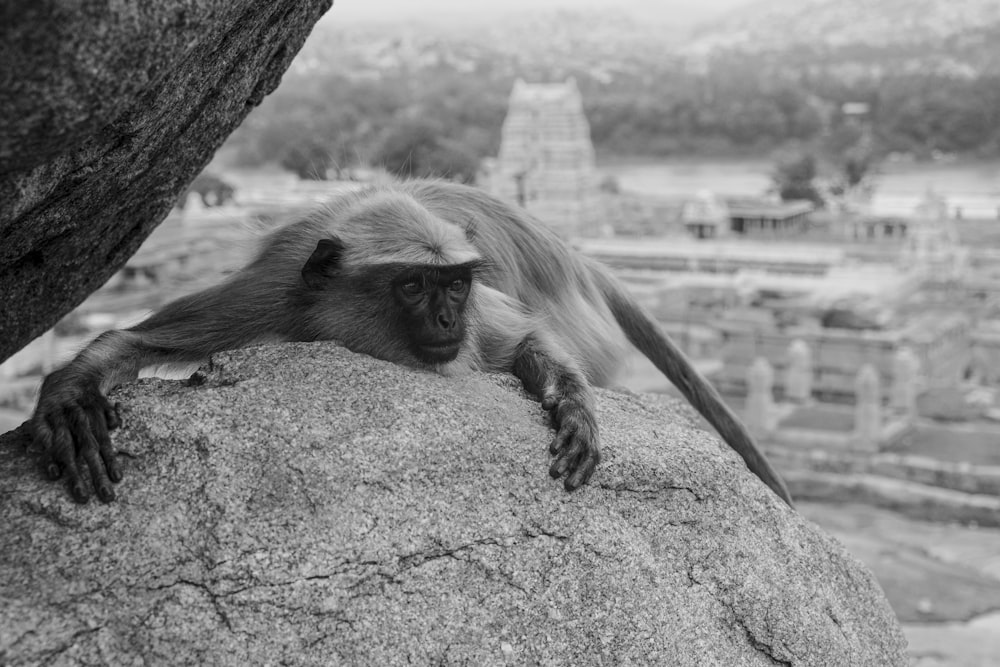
<point>546,161</point>
<point>932,241</point>
<point>769,219</point>
<point>706,216</point>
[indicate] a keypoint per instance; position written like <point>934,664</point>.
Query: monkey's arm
<point>73,415</point>
<point>560,385</point>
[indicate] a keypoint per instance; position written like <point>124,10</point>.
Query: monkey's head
<point>431,301</point>
<point>393,281</point>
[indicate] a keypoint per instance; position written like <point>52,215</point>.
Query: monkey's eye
<point>411,288</point>
<point>457,285</point>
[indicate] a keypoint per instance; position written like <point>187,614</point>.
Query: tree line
<point>438,121</point>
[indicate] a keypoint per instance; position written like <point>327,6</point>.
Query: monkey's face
<point>432,301</point>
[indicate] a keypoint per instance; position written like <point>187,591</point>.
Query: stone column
<point>868,409</point>
<point>760,401</point>
<point>798,376</point>
<point>905,382</point>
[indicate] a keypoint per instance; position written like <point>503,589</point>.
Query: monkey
<point>427,274</point>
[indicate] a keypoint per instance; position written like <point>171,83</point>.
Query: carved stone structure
<point>868,409</point>
<point>706,216</point>
<point>798,375</point>
<point>760,401</point>
<point>932,240</point>
<point>546,160</point>
<point>905,382</point>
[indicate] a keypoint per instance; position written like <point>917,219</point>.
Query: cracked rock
<point>330,508</point>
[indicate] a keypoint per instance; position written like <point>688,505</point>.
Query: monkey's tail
<point>643,332</point>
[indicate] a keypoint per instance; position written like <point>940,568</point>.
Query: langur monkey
<point>426,274</point>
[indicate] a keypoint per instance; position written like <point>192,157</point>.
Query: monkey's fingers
<point>575,445</point>
<point>85,431</point>
<point>571,446</point>
<point>577,460</point>
<point>562,449</point>
<point>62,459</point>
<point>560,441</point>
<point>104,446</point>
<point>112,413</point>
<point>42,443</point>
<point>94,445</point>
<point>582,471</point>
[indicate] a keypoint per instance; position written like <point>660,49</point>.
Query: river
<point>972,188</point>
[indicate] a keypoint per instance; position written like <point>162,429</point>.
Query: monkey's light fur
<point>304,504</point>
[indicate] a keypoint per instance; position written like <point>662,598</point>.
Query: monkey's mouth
<point>439,352</point>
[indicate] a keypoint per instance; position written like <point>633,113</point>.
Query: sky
<point>684,10</point>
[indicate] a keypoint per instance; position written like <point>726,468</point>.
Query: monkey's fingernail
<point>548,403</point>
<point>115,475</point>
<point>53,471</point>
<point>105,493</point>
<point>80,493</point>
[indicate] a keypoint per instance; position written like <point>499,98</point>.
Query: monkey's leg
<point>72,420</point>
<point>564,391</point>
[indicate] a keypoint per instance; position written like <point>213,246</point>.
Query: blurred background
<point>806,194</point>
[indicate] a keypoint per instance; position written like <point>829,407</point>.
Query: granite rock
<point>107,111</point>
<point>300,504</point>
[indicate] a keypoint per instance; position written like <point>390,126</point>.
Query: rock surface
<point>107,111</point>
<point>302,504</point>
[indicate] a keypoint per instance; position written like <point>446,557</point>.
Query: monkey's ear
<point>323,263</point>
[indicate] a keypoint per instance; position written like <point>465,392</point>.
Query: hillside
<point>960,38</point>
<point>754,79</point>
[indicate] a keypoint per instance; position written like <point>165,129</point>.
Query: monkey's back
<point>527,261</point>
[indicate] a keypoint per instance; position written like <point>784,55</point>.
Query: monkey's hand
<point>70,424</point>
<point>575,445</point>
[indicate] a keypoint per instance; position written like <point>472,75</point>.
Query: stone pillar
<point>760,401</point>
<point>798,376</point>
<point>868,409</point>
<point>905,382</point>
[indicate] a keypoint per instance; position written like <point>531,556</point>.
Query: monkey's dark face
<point>432,305</point>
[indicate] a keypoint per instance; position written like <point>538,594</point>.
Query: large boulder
<point>107,111</point>
<point>301,504</point>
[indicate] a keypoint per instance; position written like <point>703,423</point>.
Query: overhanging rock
<point>107,111</point>
<point>302,504</point>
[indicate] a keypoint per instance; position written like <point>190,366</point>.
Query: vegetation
<point>435,112</point>
<point>418,148</point>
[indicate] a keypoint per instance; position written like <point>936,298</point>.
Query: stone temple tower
<point>546,161</point>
